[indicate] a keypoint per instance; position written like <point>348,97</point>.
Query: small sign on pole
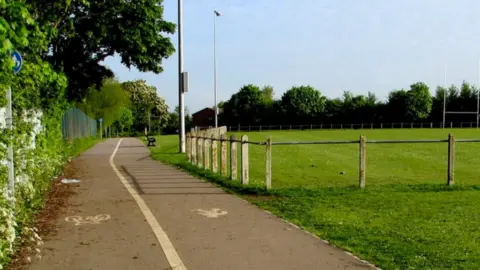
<point>17,58</point>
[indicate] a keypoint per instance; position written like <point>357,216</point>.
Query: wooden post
<point>245,178</point>
<point>223,155</point>
<point>451,160</point>
<point>206,155</point>
<point>193,146</point>
<point>268,163</point>
<point>188,142</point>
<point>362,160</point>
<point>200,151</point>
<point>214,154</point>
<point>233,158</point>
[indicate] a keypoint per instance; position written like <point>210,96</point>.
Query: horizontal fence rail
<point>202,149</point>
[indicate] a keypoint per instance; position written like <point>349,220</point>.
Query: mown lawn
<point>406,218</point>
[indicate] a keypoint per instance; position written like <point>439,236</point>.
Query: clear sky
<point>332,45</point>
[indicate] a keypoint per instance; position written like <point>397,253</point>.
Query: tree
<point>245,106</point>
<point>396,105</point>
<point>418,102</point>
<point>268,94</point>
<point>126,119</point>
<point>86,32</point>
<point>303,104</point>
<point>149,109</point>
<point>173,121</point>
<point>106,103</point>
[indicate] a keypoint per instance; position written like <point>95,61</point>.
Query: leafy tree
<point>173,121</point>
<point>302,104</point>
<point>85,32</point>
<point>125,120</point>
<point>148,108</point>
<point>245,107</point>
<point>418,102</point>
<point>107,103</point>
<point>268,94</point>
<point>396,105</point>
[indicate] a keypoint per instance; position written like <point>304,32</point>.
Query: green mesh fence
<point>76,124</point>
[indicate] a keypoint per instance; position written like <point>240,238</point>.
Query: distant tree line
<point>254,105</point>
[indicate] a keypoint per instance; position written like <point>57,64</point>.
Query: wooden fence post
<point>188,142</point>
<point>451,160</point>
<point>233,158</point>
<point>214,154</point>
<point>206,155</point>
<point>362,160</point>
<point>200,151</point>
<point>268,163</point>
<point>223,155</point>
<point>193,146</point>
<point>245,159</point>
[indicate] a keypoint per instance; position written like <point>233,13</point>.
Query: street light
<point>181,106</point>
<point>215,15</point>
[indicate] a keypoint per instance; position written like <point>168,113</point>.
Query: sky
<point>332,45</point>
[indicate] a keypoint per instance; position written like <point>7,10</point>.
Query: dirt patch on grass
<point>56,203</point>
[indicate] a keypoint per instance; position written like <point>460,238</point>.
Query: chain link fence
<point>76,124</point>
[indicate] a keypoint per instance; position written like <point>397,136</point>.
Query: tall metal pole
<point>215,15</point>
<point>478,94</point>
<point>11,171</point>
<point>181,106</point>
<point>444,95</point>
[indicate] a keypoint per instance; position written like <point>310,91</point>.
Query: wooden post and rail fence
<point>203,151</point>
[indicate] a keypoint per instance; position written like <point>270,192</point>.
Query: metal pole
<point>215,68</point>
<point>478,94</point>
<point>215,15</point>
<point>181,105</point>
<point>444,95</point>
<point>11,172</point>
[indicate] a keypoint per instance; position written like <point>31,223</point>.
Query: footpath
<point>131,212</point>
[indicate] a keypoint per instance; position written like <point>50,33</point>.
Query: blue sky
<point>332,45</point>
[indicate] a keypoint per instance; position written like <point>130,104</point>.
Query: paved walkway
<point>146,215</point>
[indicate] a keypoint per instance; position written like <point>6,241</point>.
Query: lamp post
<point>215,15</point>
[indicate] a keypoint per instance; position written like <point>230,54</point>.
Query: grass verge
<point>415,223</point>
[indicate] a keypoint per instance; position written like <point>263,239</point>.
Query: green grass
<point>78,146</point>
<point>406,218</point>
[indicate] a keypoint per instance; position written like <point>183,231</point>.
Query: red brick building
<point>204,118</point>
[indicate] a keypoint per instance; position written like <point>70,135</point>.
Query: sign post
<point>101,127</point>
<point>17,58</point>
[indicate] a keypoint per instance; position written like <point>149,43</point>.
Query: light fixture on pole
<point>181,106</point>
<point>215,15</point>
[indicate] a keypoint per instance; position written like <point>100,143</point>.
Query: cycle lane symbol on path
<point>212,213</point>
<point>78,220</point>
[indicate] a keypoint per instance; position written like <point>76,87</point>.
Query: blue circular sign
<point>17,58</point>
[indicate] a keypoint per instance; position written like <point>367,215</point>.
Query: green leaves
<point>303,103</point>
<point>148,108</point>
<point>87,32</point>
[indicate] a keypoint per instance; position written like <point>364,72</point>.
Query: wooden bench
<point>150,141</point>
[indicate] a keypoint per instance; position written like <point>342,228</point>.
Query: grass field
<point>406,218</point>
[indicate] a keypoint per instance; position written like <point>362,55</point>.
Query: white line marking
<point>167,246</point>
